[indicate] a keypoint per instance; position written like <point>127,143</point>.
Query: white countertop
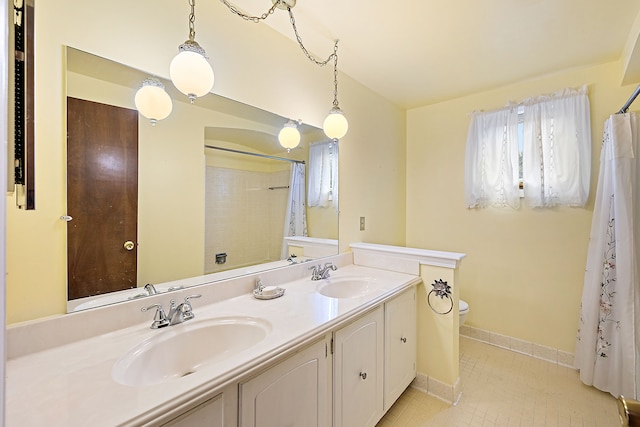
<point>72,385</point>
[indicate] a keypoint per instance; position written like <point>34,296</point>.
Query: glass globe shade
<point>152,101</point>
<point>335,126</point>
<point>191,74</point>
<point>289,136</point>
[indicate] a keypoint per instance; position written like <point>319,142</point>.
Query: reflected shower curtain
<point>607,347</point>
<point>295,222</point>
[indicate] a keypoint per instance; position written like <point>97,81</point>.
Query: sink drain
<point>187,373</point>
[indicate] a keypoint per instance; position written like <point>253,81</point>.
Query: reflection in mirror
<point>219,212</point>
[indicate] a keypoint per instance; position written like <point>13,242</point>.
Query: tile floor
<point>504,388</point>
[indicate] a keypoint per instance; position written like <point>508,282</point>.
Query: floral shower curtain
<point>607,350</point>
<point>295,223</point>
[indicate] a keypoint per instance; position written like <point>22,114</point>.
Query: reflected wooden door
<point>102,198</point>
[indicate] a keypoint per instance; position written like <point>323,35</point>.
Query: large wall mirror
<point>212,189</point>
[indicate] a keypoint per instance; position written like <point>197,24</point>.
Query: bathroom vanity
<point>336,351</point>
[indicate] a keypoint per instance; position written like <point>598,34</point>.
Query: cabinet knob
<point>363,375</point>
<point>403,339</point>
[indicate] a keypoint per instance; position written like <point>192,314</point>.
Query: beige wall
<point>524,270</point>
<point>247,60</point>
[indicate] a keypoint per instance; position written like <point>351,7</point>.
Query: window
<point>542,146</point>
<point>323,174</point>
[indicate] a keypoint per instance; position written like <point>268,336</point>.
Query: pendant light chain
<point>254,19</point>
<point>304,49</point>
<point>192,20</point>
<point>292,19</point>
<point>335,125</point>
<point>333,56</point>
<point>335,75</point>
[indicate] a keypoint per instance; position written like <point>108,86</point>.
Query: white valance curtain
<point>556,153</point>
<point>323,174</point>
<point>491,161</point>
<point>556,158</point>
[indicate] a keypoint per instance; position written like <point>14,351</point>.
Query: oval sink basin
<point>181,350</point>
<point>345,287</point>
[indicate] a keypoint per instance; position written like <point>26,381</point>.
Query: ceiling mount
<point>284,4</point>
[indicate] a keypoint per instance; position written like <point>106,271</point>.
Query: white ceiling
<point>419,52</point>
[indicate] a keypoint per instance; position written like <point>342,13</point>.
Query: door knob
<point>129,245</point>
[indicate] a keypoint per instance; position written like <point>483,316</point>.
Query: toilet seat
<point>463,306</point>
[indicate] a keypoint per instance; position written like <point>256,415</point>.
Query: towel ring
<point>442,290</point>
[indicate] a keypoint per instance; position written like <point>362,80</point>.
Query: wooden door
<point>102,198</point>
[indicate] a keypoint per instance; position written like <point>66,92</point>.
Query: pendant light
<point>335,126</point>
<point>289,136</point>
<point>152,101</point>
<point>190,71</point>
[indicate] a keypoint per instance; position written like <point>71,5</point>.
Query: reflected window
<point>323,174</point>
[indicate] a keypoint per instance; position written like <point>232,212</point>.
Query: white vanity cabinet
<point>220,410</point>
<point>358,371</point>
<point>294,392</point>
<point>400,345</point>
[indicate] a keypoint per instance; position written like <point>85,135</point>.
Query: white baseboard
<point>538,351</point>
<point>446,392</point>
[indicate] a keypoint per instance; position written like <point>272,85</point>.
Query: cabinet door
<point>293,393</point>
<point>400,345</point>
<point>358,372</point>
<point>207,414</point>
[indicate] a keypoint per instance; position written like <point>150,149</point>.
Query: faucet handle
<point>160,319</point>
<point>185,308</point>
<point>186,299</point>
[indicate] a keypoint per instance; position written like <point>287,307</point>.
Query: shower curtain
<point>607,352</point>
<point>295,222</point>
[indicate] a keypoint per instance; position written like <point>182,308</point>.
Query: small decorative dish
<point>268,292</point>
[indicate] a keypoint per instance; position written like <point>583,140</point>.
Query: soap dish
<point>268,292</point>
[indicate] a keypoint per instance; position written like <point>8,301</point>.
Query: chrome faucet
<point>177,313</point>
<point>160,319</point>
<point>151,290</point>
<point>318,273</point>
<point>182,312</point>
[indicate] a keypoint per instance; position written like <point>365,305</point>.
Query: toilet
<point>464,310</point>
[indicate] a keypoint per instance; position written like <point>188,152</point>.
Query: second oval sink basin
<point>345,287</point>
<point>178,351</point>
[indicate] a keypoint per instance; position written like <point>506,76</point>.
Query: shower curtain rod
<point>632,98</point>
<point>253,154</point>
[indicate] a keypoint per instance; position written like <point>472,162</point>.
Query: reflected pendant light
<point>335,126</point>
<point>152,101</point>
<point>190,71</point>
<point>289,136</point>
